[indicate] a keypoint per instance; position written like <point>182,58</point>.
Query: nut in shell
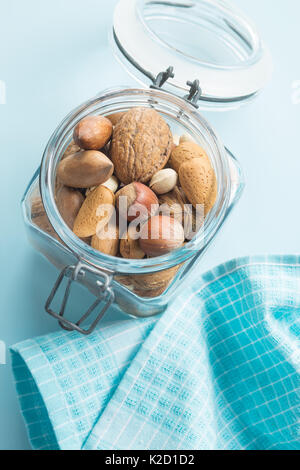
<point>164,181</point>
<point>176,139</point>
<point>95,213</point>
<point>199,182</point>
<point>69,202</point>
<point>175,204</point>
<point>71,149</point>
<point>149,285</point>
<point>40,218</point>
<point>93,132</point>
<point>107,240</point>
<point>186,138</point>
<point>130,248</point>
<point>89,190</point>
<point>136,200</point>
<point>161,235</point>
<point>85,169</point>
<point>141,145</point>
<point>112,184</point>
<point>115,117</point>
<point>185,152</point>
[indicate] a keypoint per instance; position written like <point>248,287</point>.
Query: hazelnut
<point>164,181</point>
<point>139,201</point>
<point>93,132</point>
<point>85,169</point>
<point>160,235</point>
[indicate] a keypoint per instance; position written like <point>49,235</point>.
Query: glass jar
<point>138,287</point>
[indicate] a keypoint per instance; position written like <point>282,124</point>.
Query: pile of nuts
<point>123,183</point>
<point>129,188</point>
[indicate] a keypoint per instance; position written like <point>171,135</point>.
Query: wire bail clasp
<point>162,77</point>
<point>194,94</point>
<point>106,295</point>
<point>195,89</point>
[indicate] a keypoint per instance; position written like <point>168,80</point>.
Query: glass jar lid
<point>205,42</point>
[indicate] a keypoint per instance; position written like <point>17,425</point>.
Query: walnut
<point>141,145</point>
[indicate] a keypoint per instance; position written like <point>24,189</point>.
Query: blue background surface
<point>54,55</point>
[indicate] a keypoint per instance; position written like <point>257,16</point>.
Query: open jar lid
<point>202,42</point>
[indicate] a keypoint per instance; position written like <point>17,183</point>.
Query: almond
<point>95,213</point>
<point>186,151</point>
<point>85,169</point>
<point>107,241</point>
<point>199,183</point>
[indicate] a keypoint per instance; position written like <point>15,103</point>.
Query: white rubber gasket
<point>217,82</point>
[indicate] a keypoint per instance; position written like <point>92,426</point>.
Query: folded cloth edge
<point>208,276</point>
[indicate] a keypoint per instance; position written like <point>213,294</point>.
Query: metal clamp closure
<point>106,295</point>
<point>194,94</point>
<point>158,81</point>
<point>195,90</point>
<point>162,77</point>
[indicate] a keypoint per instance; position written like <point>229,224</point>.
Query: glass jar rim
<point>247,33</point>
<point>222,84</point>
<point>107,103</point>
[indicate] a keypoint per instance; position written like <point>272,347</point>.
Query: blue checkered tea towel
<point>219,370</point>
